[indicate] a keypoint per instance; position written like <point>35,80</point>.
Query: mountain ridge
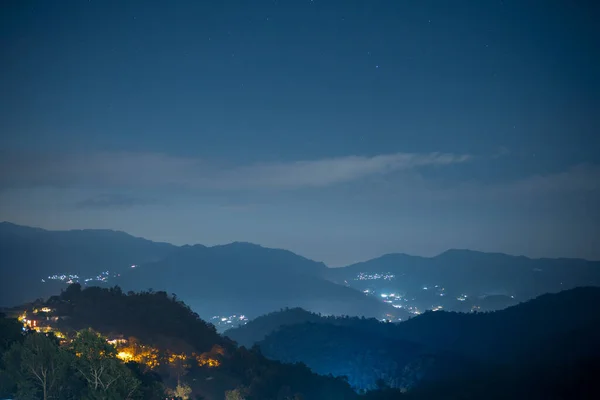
<point>276,277</point>
<point>262,278</point>
<point>11,225</point>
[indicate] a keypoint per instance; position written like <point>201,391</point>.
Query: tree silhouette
<point>38,366</point>
<point>106,376</point>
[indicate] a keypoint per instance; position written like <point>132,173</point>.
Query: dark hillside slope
<point>27,255</point>
<point>238,278</point>
<point>153,317</point>
<point>258,328</point>
<point>553,333</point>
<point>159,320</point>
<point>510,334</point>
<point>248,279</point>
<point>477,273</point>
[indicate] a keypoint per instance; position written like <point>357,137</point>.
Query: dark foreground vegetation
<point>158,347</point>
<point>543,348</point>
<point>106,344</point>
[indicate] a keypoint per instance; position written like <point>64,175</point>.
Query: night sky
<point>340,130</point>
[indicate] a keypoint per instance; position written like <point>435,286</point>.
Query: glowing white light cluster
<point>363,276</point>
<point>225,322</point>
<point>74,278</point>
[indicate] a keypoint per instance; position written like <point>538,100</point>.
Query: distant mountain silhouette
<point>250,279</point>
<point>247,278</point>
<point>233,278</point>
<point>28,255</point>
<point>476,273</point>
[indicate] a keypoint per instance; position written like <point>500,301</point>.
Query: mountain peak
<point>240,245</point>
<point>10,227</point>
<point>398,256</point>
<point>456,253</point>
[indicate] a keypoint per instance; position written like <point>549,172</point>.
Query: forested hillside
<point>544,337</point>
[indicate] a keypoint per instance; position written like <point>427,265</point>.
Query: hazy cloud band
<point>154,170</point>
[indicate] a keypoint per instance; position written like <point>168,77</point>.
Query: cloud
<point>571,187</point>
<point>325,172</point>
<point>582,178</point>
<point>98,169</point>
<point>502,152</point>
<point>574,189</point>
<point>104,201</point>
<point>154,170</point>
